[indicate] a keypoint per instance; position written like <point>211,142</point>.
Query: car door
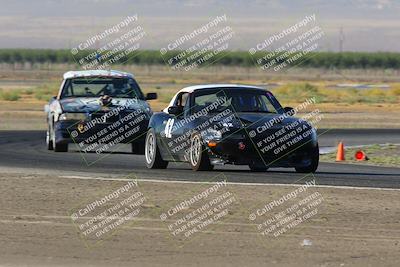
<point>173,138</point>
<point>180,133</point>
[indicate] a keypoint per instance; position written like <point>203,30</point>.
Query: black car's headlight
<point>212,134</point>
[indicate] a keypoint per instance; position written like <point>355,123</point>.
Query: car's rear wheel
<point>314,162</point>
<point>258,167</point>
<point>152,154</point>
<point>198,156</point>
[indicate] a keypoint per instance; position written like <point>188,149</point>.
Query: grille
<point>108,119</point>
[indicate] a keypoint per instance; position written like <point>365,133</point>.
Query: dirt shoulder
<point>352,227</point>
<point>29,115</point>
<point>376,155</point>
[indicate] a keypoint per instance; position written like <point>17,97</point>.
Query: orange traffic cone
<point>340,152</point>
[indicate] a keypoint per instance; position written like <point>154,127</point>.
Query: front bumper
<point>71,132</point>
<point>240,149</point>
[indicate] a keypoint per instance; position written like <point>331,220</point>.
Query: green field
<point>383,60</point>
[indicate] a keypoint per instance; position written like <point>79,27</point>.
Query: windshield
<point>241,100</point>
<point>99,86</point>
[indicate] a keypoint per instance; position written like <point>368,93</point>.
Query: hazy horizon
<point>368,25</point>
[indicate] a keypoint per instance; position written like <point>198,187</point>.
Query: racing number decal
<point>168,128</point>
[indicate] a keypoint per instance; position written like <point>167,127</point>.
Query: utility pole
<point>341,39</point>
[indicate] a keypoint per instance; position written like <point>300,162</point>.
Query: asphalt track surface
<point>26,150</point>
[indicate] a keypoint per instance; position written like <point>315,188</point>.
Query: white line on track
<point>229,183</point>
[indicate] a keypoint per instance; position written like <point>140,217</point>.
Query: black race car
<point>207,125</point>
<point>97,109</point>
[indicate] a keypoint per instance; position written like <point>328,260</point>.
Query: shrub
<point>395,91</point>
<point>46,91</point>
<point>28,91</point>
<point>13,95</point>
<point>299,92</point>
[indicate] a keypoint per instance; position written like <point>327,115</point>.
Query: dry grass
<point>342,108</point>
<point>385,155</point>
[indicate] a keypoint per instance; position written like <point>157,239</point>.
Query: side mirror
<point>289,111</point>
<point>175,110</point>
<point>151,96</point>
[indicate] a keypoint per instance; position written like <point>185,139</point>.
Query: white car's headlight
<point>314,135</point>
<point>72,116</point>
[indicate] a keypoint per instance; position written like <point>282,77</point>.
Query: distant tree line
<point>231,58</point>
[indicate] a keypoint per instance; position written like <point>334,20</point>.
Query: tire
<point>49,141</point>
<point>198,156</point>
<point>57,146</point>
<point>61,147</point>
<point>138,148</point>
<point>258,167</point>
<point>152,154</point>
<point>313,165</point>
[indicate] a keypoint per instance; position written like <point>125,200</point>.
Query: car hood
<point>89,104</point>
<point>256,119</point>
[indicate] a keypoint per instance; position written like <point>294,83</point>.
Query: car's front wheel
<point>152,153</point>
<point>258,167</point>
<point>314,157</point>
<point>198,157</point>
<point>49,141</point>
<point>58,146</point>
